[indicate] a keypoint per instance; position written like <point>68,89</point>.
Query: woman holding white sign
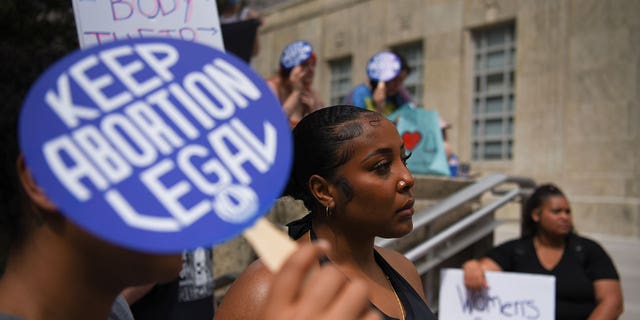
<point>587,283</point>
<point>349,170</point>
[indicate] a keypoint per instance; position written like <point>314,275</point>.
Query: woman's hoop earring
<point>327,212</point>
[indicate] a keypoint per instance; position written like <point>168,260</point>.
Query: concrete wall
<point>577,83</point>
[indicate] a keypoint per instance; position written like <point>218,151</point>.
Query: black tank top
<point>414,306</point>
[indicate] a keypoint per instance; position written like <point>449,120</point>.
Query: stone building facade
<point>548,89</point>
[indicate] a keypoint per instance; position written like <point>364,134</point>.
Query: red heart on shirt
<point>411,139</point>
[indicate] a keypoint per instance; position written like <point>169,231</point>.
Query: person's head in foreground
<point>52,268</point>
<point>48,253</point>
<point>349,170</point>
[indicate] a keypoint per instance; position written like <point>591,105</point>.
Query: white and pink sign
<point>102,21</point>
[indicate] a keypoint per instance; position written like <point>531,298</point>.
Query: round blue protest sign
<point>295,53</point>
<point>383,66</point>
<point>159,145</point>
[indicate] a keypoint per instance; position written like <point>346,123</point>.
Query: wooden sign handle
<point>270,243</point>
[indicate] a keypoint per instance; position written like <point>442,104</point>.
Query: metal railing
<point>522,187</point>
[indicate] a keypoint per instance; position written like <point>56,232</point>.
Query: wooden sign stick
<point>271,244</point>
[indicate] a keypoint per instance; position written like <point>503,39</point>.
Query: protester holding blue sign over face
<point>418,127</point>
<point>384,93</point>
<point>159,146</point>
<point>349,170</point>
<point>293,84</point>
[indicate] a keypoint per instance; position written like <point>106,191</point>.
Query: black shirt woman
<point>587,283</point>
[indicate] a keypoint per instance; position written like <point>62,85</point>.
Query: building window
<point>340,79</point>
<point>413,53</point>
<point>493,93</point>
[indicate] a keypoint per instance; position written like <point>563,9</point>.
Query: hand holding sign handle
<point>382,67</point>
<point>271,244</point>
<point>380,96</point>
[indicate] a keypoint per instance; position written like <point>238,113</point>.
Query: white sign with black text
<point>510,295</point>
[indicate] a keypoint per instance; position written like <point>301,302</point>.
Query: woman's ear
<point>535,215</point>
<point>321,190</point>
<point>31,188</point>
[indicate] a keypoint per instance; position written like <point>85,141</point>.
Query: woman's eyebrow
<point>377,152</point>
